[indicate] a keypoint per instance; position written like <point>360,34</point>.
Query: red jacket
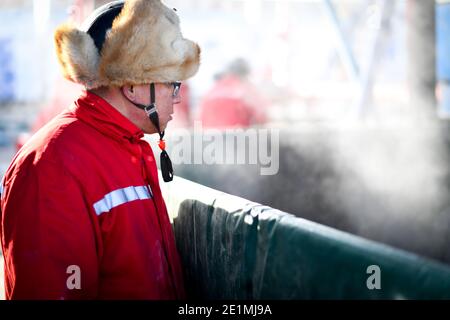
<point>84,192</point>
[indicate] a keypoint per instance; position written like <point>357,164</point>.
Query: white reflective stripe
<point>120,196</point>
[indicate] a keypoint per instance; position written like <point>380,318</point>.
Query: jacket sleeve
<point>48,237</point>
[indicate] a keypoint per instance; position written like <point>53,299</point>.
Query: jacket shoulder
<point>56,142</point>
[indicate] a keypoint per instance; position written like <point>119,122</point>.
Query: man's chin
<point>163,126</point>
<point>166,123</point>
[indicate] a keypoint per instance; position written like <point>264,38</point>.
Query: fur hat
<point>127,42</point>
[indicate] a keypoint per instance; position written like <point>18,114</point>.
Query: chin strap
<point>166,164</point>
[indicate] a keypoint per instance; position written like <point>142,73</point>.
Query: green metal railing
<point>232,248</point>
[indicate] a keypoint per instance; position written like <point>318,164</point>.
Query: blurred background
<point>358,89</point>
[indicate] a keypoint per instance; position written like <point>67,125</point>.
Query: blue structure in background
<point>6,71</point>
<point>443,41</point>
<point>443,55</point>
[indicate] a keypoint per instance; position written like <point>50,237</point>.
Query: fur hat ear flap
<point>77,55</point>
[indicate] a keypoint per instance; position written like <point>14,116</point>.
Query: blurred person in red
<point>81,210</point>
<point>233,101</point>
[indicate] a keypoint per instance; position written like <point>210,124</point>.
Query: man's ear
<point>129,92</point>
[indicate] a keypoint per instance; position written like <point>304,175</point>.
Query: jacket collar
<point>99,114</point>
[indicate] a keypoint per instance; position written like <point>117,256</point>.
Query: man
<point>82,216</point>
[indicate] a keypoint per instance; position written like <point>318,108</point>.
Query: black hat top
<point>101,20</point>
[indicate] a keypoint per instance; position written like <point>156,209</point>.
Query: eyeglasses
<point>176,88</point>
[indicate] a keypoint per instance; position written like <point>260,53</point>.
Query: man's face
<point>164,105</point>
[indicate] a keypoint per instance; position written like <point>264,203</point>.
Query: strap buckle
<point>150,109</point>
